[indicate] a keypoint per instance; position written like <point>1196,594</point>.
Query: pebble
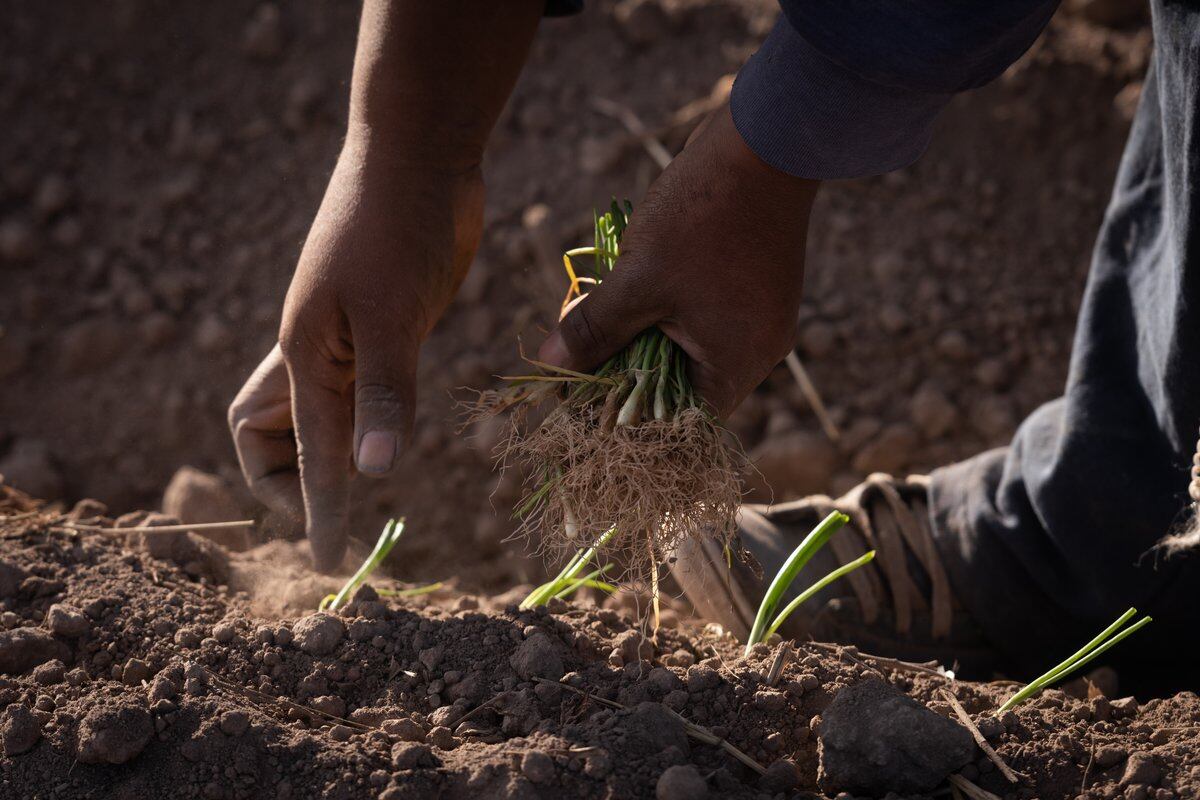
<point>641,22</point>
<point>1141,768</point>
<point>537,766</point>
<point>681,782</point>
<point>66,620</point>
<point>410,755</point>
<point>874,739</point>
<point>234,723</point>
<point>114,733</point>
<point>318,634</point>
<point>537,657</point>
<point>404,729</point>
<point>135,672</point>
<point>19,730</point>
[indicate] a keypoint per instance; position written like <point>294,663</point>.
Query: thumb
<point>606,320</point>
<point>384,400</point>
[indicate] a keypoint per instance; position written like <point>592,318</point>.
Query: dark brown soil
<point>131,676</point>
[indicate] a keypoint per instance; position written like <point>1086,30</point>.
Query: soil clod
<point>874,739</point>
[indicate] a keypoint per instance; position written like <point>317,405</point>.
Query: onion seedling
<point>766,621</point>
<point>628,453</point>
<point>568,580</point>
<point>1104,640</point>
<point>387,540</point>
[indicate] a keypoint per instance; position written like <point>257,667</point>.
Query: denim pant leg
<point>1050,539</point>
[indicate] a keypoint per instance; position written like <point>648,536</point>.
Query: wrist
<point>751,168</point>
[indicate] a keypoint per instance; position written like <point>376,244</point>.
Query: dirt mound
<point>126,676</point>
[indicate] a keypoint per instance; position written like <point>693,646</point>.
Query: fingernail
<point>554,350</point>
<point>376,452</point>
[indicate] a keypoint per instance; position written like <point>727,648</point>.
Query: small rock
<point>67,621</point>
<point>874,739</point>
<point>194,496</point>
<point>681,782</point>
<point>50,673</point>
<point>701,678</point>
<point>234,723</point>
<point>1109,756</point>
<point>411,755</point>
<point>441,737</point>
<point>405,729</point>
<point>329,704</point>
<point>19,730</point>
<point>537,767</point>
<point>22,649</point>
<point>1141,768</point>
<point>318,634</point>
<point>537,657</point>
<point>633,646</point>
<point>135,672</point>
<point>223,632</point>
<point>114,733</point>
<point>430,657</point>
<point>771,702</point>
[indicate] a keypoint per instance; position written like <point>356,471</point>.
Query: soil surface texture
<point>130,669</point>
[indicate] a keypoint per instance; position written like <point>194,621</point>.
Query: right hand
<point>388,249</point>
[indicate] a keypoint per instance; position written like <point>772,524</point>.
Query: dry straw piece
<point>627,453</point>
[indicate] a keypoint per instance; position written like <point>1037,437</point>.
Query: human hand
<point>386,253</point>
<point>714,255</point>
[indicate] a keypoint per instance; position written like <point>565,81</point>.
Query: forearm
<point>431,78</point>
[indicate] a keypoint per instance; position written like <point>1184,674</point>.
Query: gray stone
<point>874,739</point>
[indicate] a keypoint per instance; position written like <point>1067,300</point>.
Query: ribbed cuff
<point>809,117</point>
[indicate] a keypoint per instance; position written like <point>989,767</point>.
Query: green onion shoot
<point>387,540</point>
<point>1104,640</point>
<point>766,621</point>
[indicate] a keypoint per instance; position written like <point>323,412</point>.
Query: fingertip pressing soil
<point>127,676</point>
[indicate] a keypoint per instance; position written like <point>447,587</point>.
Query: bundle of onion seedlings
<point>628,454</point>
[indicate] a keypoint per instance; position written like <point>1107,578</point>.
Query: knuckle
<point>377,400</point>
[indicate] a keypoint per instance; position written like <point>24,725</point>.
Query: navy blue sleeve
<point>847,88</point>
